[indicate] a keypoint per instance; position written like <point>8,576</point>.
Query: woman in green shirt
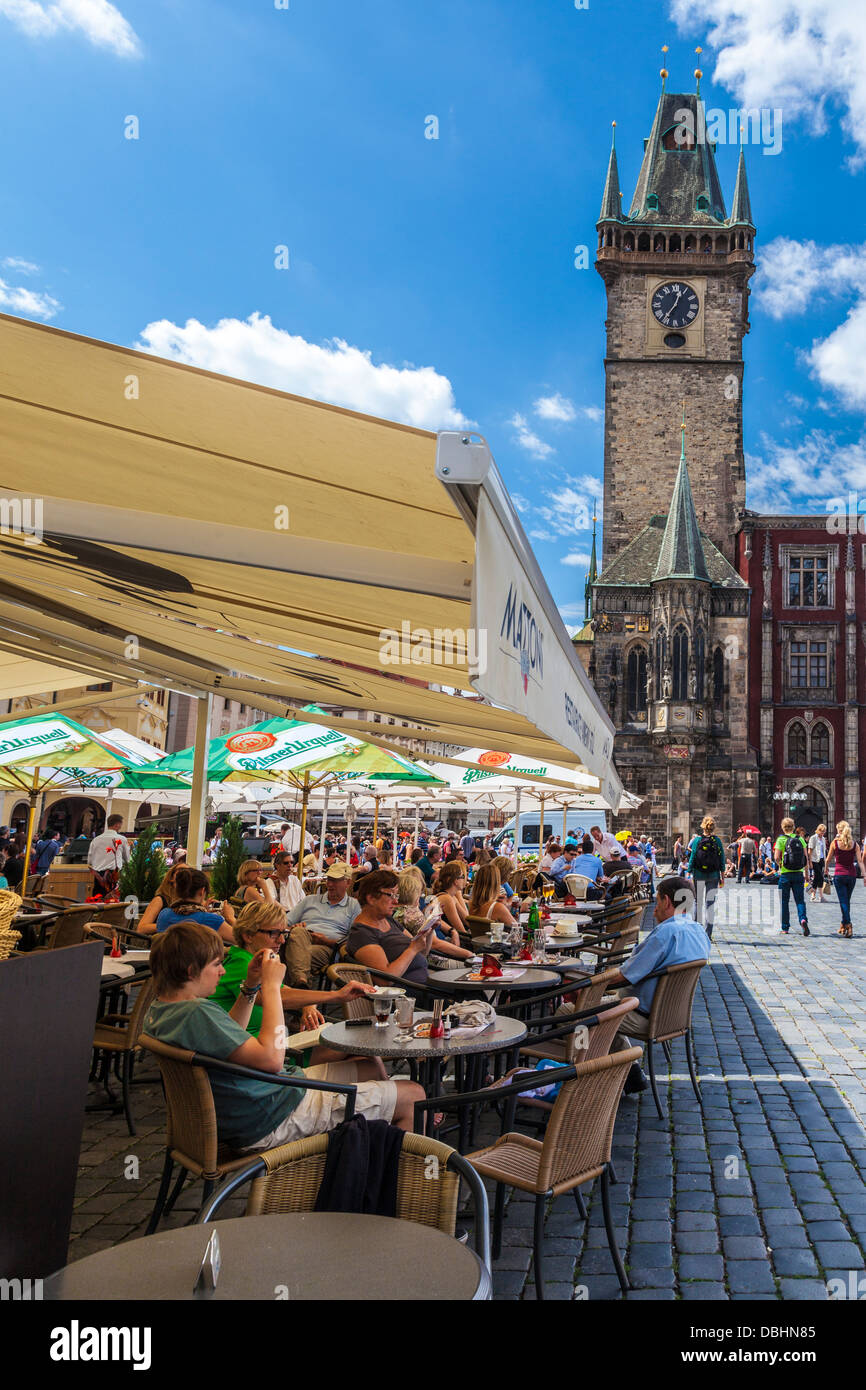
<point>260,927</point>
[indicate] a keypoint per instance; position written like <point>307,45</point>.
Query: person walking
<point>746,857</point>
<point>790,855</point>
<point>848,858</point>
<point>706,866</point>
<point>817,862</point>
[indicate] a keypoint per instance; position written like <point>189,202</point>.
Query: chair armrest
<point>492,1093</point>
<point>411,986</point>
<point>279,1079</point>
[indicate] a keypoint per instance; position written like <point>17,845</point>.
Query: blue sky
<point>433,280</point>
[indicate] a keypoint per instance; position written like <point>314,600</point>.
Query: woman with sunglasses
<point>262,927</point>
<point>377,941</point>
<point>254,885</point>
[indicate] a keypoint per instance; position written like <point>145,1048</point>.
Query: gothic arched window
<point>635,683</point>
<point>661,658</point>
<point>681,663</point>
<point>700,657</point>
<point>820,746</point>
<point>797,746</point>
<point>718,680</point>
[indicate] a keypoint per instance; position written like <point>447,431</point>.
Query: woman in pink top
<point>846,853</point>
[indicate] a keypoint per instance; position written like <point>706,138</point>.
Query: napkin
<point>490,967</point>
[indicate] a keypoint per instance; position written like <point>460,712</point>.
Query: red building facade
<point>807,666</point>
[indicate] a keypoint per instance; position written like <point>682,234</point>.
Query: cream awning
<point>195,526</point>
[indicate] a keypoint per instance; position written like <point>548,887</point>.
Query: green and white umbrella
<point>41,751</point>
<point>303,755</point>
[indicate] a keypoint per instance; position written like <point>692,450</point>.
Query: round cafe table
<point>300,1257</point>
<point>429,1053</point>
<point>533,977</point>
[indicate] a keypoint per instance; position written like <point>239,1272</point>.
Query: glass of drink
<point>405,1015</point>
<point>538,945</point>
<point>382,1009</point>
<point>497,931</point>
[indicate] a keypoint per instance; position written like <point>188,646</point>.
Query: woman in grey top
<point>817,862</point>
<point>377,941</point>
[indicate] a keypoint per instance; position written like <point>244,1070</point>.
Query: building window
<point>661,658</point>
<point>640,784</point>
<point>718,680</point>
<point>681,664</point>
<point>700,657</point>
<point>820,746</point>
<point>808,581</point>
<point>797,746</point>
<point>652,202</point>
<point>636,683</point>
<point>703,203</point>
<point>808,665</point>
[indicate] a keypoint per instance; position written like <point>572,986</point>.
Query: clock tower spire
<point>676,270</point>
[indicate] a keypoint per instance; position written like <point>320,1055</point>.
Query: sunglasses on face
<point>278,932</point>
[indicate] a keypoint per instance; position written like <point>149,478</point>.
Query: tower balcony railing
<point>697,260</point>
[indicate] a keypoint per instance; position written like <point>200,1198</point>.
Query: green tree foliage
<point>141,877</point>
<point>228,859</point>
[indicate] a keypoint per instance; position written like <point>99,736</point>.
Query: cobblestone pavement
<point>759,1195</point>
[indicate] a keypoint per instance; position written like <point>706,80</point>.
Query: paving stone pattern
<point>760,1194</point>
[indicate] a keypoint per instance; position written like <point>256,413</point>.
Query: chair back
<point>340,975</point>
<point>191,1122</point>
<point>33,885</point>
<point>602,1035</point>
<point>426,1193</point>
<point>577,885</point>
<point>478,926</point>
<point>9,934</point>
<point>143,1001</point>
<point>68,928</point>
<point>671,1009</point>
<point>115,916</point>
<point>579,1132</point>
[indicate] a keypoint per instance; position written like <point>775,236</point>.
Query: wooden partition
<point>48,1004</point>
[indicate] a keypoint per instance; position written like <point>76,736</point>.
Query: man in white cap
<point>319,926</point>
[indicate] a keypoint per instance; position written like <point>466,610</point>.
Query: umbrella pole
<point>349,807</point>
<point>195,830</point>
<point>323,831</point>
<point>258,817</point>
<point>31,822</point>
<point>375,819</point>
<point>540,828</point>
<point>516,826</point>
<point>564,821</point>
<point>305,792</point>
<point>417,826</point>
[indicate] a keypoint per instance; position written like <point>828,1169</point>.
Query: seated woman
<point>376,940</point>
<point>446,951</point>
<point>487,898</point>
<point>254,885</point>
<point>191,889</point>
<point>506,868</point>
<point>262,927</point>
<point>186,962</point>
<point>164,897</point>
<point>452,905</point>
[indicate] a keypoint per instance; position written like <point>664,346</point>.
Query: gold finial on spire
<point>683,428</point>
<point>663,72</point>
<point>698,73</point>
<point>613,135</point>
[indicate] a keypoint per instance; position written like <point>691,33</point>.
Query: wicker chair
<point>9,935</point>
<point>575,1149</point>
<point>478,926</point>
<point>577,885</point>
<point>117,1035</point>
<point>340,975</point>
<point>671,1017</point>
<point>613,948</point>
<point>599,1024</point>
<point>191,1123</point>
<point>68,928</point>
<point>287,1179</point>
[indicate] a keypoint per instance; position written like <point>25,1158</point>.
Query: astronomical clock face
<point>675,304</point>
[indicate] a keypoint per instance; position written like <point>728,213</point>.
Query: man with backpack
<point>790,854</point>
<point>706,866</point>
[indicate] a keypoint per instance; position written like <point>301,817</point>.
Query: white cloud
<point>15,299</point>
<point>555,407</point>
<point>578,558</point>
<point>254,350</point>
<point>803,56</point>
<point>528,440</point>
<point>793,275</point>
<point>21,266</point>
<point>568,505</point>
<point>593,412</point>
<point>569,611</point>
<point>100,22</point>
<point>807,476</point>
<point>838,361</point>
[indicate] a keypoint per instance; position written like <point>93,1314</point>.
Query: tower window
<point>681,663</point>
<point>636,683</point>
<point>718,681</point>
<point>703,203</point>
<point>808,581</point>
<point>797,746</point>
<point>652,202</point>
<point>820,746</point>
<point>675,340</point>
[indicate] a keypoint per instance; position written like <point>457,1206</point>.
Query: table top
<point>300,1256</point>
<point>532,978</point>
<point>555,943</point>
<point>387,1043</point>
<point>117,968</point>
<point>36,917</point>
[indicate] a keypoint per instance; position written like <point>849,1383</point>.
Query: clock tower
<point>676,270</point>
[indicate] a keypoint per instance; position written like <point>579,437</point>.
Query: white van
<point>576,826</point>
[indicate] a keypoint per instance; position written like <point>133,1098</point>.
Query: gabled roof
<point>635,565</point>
<point>677,177</point>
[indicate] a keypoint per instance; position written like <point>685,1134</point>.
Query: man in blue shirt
<point>675,940</point>
<point>46,851</point>
<point>559,868</point>
<point>590,866</point>
<point>320,925</point>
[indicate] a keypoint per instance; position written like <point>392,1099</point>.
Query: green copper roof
<point>611,203</point>
<point>742,209</point>
<point>635,565</point>
<point>591,577</point>
<point>677,177</point>
<point>681,554</point>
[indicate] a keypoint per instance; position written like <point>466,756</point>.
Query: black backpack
<point>793,855</point>
<point>708,857</point>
